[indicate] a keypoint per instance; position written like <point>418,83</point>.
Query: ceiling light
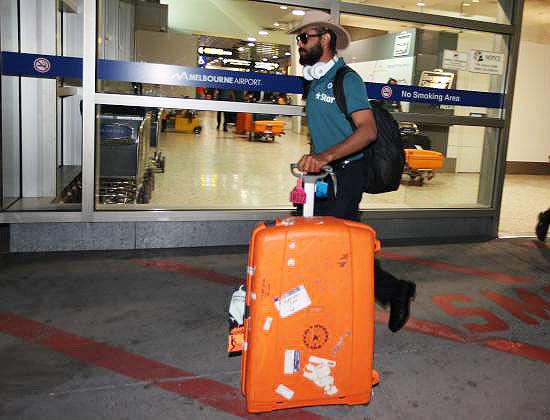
<point>251,39</point>
<point>466,4</point>
<point>287,53</point>
<point>275,57</point>
<point>284,7</point>
<point>263,33</point>
<point>250,44</point>
<point>241,49</point>
<point>421,4</point>
<point>298,12</point>
<point>264,59</point>
<point>276,24</point>
<point>475,1</point>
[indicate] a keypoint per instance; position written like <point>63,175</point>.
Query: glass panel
<point>466,158</point>
<point>241,36</point>
<point>497,11</point>
<point>431,57</point>
<point>42,123</point>
<point>182,159</point>
<point>11,179</point>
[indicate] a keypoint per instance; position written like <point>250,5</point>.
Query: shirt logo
<point>324,97</point>
<point>329,86</point>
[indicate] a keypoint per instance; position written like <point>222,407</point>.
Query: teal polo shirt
<point>327,125</point>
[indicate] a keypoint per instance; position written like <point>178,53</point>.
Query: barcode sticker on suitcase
<point>292,361</point>
<point>292,301</point>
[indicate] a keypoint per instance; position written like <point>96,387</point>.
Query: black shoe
<point>542,225</point>
<point>400,306</point>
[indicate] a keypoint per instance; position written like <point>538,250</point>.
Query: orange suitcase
<point>423,159</point>
<point>309,328</point>
<point>274,126</point>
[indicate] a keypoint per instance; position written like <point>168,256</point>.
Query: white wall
<point>466,143</point>
<point>530,127</point>
<point>38,102</point>
<point>10,103</point>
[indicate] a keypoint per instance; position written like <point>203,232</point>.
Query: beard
<point>309,58</point>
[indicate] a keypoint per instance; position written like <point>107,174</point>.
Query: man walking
<point>335,142</point>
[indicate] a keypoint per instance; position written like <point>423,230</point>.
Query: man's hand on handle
<point>312,163</point>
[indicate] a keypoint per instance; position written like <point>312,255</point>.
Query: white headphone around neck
<point>319,69</point>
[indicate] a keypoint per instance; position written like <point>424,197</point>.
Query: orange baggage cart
<point>420,165</point>
<point>267,130</point>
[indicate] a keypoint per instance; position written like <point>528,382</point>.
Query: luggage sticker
<point>292,362</point>
<point>267,323</point>
<point>340,342</point>
<point>284,391</point>
<point>292,301</point>
<point>315,336</point>
<point>318,371</point>
<point>235,340</point>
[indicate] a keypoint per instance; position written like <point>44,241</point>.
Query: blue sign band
<point>50,66</point>
<point>433,96</point>
<point>44,66</point>
<point>167,74</point>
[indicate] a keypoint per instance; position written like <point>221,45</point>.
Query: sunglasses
<point>304,37</point>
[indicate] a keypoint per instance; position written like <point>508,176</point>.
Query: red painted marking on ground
<point>207,391</point>
<point>434,329</point>
<point>532,244</point>
<point>492,322</point>
<point>528,303</point>
<point>431,328</point>
<point>518,348</point>
<point>438,265</point>
<point>504,345</point>
<point>201,273</point>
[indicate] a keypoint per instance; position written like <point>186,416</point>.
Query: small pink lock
<point>298,195</point>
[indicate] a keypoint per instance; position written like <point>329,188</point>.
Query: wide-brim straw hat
<point>318,18</point>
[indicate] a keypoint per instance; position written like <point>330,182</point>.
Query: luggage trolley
<point>125,172</point>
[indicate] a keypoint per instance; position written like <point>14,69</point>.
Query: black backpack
<point>384,158</point>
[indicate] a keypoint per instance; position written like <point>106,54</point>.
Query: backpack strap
<point>339,94</point>
<point>307,86</point>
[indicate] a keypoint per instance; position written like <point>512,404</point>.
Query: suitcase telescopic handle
<point>325,171</point>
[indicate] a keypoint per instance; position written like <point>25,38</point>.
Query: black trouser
<point>345,205</point>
